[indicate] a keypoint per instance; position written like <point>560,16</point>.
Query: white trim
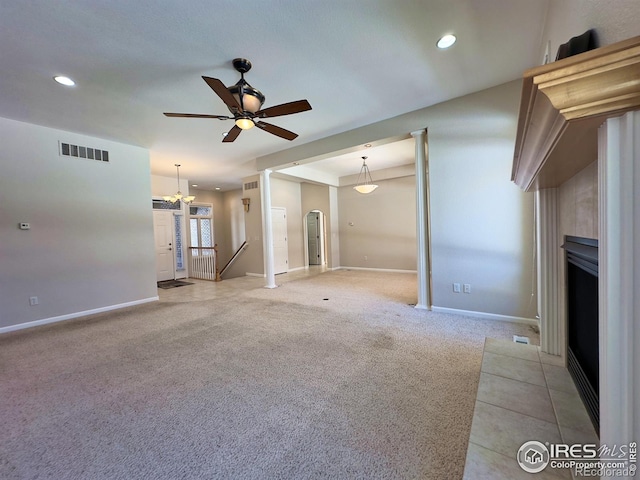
<point>388,270</point>
<point>249,274</point>
<point>486,316</point>
<point>267,229</point>
<point>552,321</point>
<point>298,268</point>
<point>423,262</point>
<point>618,278</point>
<point>69,316</point>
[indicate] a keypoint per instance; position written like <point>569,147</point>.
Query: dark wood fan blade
<point>232,134</point>
<point>279,131</point>
<point>223,92</point>
<point>284,109</point>
<point>197,115</point>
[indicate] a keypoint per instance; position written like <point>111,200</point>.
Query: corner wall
<point>90,245</point>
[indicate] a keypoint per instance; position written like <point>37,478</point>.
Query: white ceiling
<point>356,61</point>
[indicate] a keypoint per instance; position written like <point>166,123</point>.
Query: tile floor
<point>207,289</point>
<point>523,395</point>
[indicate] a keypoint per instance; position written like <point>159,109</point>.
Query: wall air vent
<point>251,185</point>
<point>70,150</point>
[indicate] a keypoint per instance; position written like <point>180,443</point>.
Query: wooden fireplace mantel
<point>562,105</point>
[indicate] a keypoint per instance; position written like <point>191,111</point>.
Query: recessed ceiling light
<point>217,188</point>
<point>64,81</point>
<point>446,41</point>
<point>367,145</point>
<point>296,163</point>
<point>194,185</point>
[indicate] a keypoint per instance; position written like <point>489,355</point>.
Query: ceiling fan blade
<point>232,134</point>
<point>284,109</point>
<point>197,115</point>
<point>224,93</point>
<point>279,131</point>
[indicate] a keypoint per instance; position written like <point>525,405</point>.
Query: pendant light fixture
<point>178,196</point>
<point>365,183</point>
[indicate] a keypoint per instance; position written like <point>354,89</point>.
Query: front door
<point>163,234</point>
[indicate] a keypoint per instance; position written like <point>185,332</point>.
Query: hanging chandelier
<point>364,183</point>
<point>178,196</point>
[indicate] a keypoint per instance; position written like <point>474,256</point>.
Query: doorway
<point>163,237</point>
<point>315,238</point>
<point>280,245</point>
<point>167,233</point>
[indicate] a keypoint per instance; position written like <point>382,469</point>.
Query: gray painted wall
<point>613,22</point>
<point>90,245</point>
<point>378,230</point>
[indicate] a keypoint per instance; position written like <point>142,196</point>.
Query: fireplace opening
<point>582,321</point>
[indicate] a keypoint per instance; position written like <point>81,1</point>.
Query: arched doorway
<point>315,242</point>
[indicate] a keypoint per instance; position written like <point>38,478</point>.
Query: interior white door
<point>163,235</point>
<point>280,245</point>
<point>313,237</point>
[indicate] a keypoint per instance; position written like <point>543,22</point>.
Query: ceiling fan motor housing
<point>241,91</point>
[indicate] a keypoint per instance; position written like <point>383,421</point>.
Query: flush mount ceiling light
<point>178,196</point>
<point>66,81</point>
<point>446,41</point>
<point>364,183</point>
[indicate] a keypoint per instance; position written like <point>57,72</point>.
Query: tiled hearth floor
<point>523,395</point>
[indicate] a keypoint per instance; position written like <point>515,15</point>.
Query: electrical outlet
<point>456,288</point>
<point>33,301</point>
<point>467,288</point>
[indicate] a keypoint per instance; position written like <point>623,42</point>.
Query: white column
<point>422,221</point>
<point>267,230</point>
<point>619,278</point>
<point>548,256</point>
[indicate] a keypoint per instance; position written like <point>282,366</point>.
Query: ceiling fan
<point>245,104</point>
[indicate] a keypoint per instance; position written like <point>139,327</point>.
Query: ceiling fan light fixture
<point>245,123</point>
<point>365,184</point>
<point>245,104</point>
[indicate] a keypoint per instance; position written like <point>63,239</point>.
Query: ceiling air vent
<point>251,185</point>
<point>70,150</point>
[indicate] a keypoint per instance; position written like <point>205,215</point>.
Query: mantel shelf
<point>562,105</point>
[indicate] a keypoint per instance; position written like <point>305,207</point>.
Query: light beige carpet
<point>255,384</point>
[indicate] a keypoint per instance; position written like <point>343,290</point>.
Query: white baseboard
<point>249,274</point>
<point>69,316</point>
<point>487,316</point>
<point>388,270</point>
<point>297,268</point>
